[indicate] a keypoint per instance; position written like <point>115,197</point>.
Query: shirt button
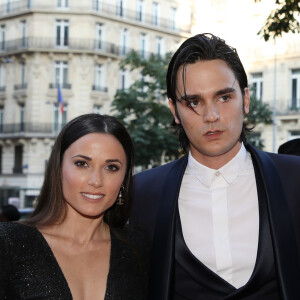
<point>218,173</point>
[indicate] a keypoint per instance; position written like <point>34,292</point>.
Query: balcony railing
<point>22,86</point>
<point>295,104</point>
<point>109,10</point>
<point>49,44</point>
<point>66,86</point>
<point>133,15</point>
<point>15,6</point>
<point>28,128</point>
<point>99,88</point>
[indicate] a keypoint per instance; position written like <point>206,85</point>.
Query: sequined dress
<point>29,270</point>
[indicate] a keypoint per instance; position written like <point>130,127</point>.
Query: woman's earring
<point>120,200</point>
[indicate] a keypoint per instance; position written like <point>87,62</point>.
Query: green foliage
<point>282,19</point>
<point>259,113</point>
<point>143,110</point>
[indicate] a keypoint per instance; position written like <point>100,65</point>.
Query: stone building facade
<point>74,46</point>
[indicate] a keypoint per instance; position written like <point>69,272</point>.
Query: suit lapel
<point>163,244</point>
<point>281,227</point>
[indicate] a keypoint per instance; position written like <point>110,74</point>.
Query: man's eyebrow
<point>189,97</point>
<point>225,91</point>
<point>200,97</point>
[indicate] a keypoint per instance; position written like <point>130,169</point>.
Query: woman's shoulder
<point>11,232</point>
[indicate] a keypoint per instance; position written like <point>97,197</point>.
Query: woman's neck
<point>79,229</point>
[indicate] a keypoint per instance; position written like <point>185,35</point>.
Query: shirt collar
<point>229,172</point>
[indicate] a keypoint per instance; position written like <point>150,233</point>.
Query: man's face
<point>214,125</point>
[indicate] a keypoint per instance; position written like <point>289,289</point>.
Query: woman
<point>76,244</point>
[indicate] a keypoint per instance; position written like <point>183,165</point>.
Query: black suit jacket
<point>155,198</point>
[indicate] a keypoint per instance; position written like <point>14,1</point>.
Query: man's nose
<point>95,179</point>
<point>211,113</point>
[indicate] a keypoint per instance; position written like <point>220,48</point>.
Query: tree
<point>143,110</point>
<point>259,113</point>
<point>282,19</point>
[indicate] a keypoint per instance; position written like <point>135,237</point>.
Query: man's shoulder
<point>285,163</point>
<point>160,170</point>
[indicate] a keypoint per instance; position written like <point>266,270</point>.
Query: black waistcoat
<point>194,281</point>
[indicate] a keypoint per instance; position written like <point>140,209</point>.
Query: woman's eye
<point>112,168</point>
<point>224,98</point>
<point>81,164</point>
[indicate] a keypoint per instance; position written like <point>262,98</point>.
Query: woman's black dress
<point>29,270</point>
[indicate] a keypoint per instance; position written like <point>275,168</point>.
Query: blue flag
<point>60,100</point>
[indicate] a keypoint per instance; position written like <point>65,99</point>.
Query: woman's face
<point>93,170</point>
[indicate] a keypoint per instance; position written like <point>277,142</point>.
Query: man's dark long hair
<point>51,205</point>
<point>203,47</point>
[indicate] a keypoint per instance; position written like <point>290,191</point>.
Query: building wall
<point>35,97</point>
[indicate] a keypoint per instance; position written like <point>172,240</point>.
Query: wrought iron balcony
<point>109,10</point>
<point>49,44</point>
<point>134,15</point>
<point>13,129</point>
<point>99,88</point>
<point>66,86</point>
<point>22,86</point>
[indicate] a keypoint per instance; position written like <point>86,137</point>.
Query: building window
<point>62,33</point>
<point>23,33</point>
<point>160,47</point>
<point>1,118</point>
<point>140,10</point>
<point>23,74</point>
<point>97,4</point>
<point>8,6</point>
<point>124,41</point>
<point>99,36</point>
<point>61,74</point>
<point>98,109</point>
<point>59,119</point>
<point>2,78</point>
<point>2,37</point>
<point>22,118</point>
<point>257,85</point>
<point>62,3</point>
<point>18,161</point>
<point>294,134</point>
<point>120,8</point>
<point>173,18</point>
<point>124,80</point>
<point>99,79</point>
<point>295,103</point>
<point>143,45</point>
<point>0,159</point>
<point>155,14</point>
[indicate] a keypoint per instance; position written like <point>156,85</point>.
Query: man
<point>291,147</point>
<point>224,220</point>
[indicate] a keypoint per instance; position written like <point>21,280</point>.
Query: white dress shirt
<point>219,216</point>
